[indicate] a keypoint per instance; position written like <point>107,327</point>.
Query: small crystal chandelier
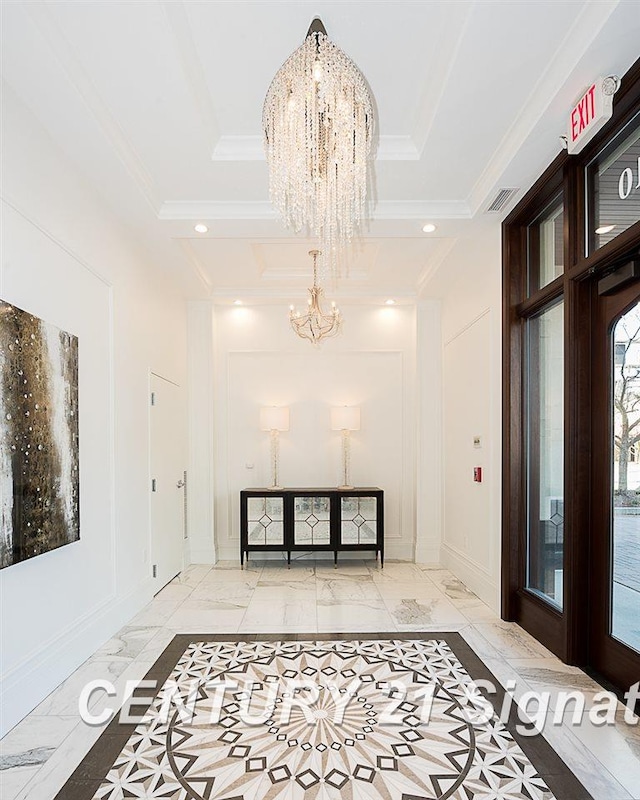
<point>314,325</point>
<point>318,125</point>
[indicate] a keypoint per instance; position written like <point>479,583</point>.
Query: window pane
<point>546,246</point>
<point>613,187</point>
<point>545,453</point>
<point>626,479</point>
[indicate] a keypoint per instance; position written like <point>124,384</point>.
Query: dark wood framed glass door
<point>614,585</point>
<point>570,546</point>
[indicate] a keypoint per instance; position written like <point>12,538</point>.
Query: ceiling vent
<point>501,200</point>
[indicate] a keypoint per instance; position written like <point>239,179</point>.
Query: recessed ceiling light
<point>237,302</point>
<point>390,302</point>
<point>429,227</point>
<point>200,228</point>
<point>605,229</point>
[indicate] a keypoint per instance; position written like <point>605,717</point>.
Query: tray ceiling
<point>159,104</point>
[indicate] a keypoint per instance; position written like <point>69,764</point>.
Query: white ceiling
<point>159,104</point>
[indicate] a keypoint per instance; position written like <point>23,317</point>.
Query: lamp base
<point>345,486</point>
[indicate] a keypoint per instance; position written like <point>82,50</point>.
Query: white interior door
<point>166,460</point>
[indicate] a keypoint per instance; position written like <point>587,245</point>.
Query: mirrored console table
<point>307,520</point>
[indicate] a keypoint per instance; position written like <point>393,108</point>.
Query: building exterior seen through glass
<point>625,599</point>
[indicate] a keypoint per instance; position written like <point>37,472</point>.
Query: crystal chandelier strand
<point>318,127</point>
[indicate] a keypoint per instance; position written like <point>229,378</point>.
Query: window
<point>545,452</point>
<point>545,246</point>
<point>613,188</point>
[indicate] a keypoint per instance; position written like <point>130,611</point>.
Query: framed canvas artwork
<point>39,461</point>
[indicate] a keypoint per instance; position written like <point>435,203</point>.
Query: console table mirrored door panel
<point>312,519</point>
<point>265,521</point>
<point>358,520</point>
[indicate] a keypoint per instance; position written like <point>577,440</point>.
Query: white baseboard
<point>27,683</point>
<point>206,555</point>
<point>398,551</point>
<point>473,576</point>
<point>428,555</point>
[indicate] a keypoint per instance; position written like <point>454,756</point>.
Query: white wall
<point>469,286</point>
<point>66,260</point>
<point>258,361</point>
<point>429,433</point>
<point>202,401</point>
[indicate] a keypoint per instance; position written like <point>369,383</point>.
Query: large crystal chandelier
<point>314,324</point>
<point>318,124</point>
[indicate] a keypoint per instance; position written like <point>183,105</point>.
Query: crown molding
<point>387,147</point>
<point>238,148</point>
<point>180,30</point>
<point>9,202</point>
<point>211,210</point>
<point>445,246</point>
<point>450,36</point>
<point>250,148</point>
<point>275,295</point>
<point>397,148</point>
<point>410,209</point>
<point>588,24</point>
<point>196,265</point>
<point>264,210</point>
<point>275,272</point>
<point>45,23</point>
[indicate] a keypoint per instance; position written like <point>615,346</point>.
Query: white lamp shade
<point>345,418</point>
<point>274,418</point>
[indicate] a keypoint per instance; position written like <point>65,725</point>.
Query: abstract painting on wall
<point>39,469</point>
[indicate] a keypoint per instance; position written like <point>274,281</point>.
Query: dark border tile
<point>86,778</point>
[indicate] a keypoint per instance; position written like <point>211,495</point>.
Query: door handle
<point>180,484</point>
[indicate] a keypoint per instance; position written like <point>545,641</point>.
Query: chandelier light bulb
<point>317,71</point>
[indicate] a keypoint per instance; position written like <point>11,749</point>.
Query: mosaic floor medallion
<point>320,720</point>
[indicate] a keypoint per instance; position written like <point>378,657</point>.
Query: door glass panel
<point>265,516</point>
<point>625,603</point>
<point>545,453</point>
<point>311,520</point>
<point>545,244</point>
<point>358,520</point>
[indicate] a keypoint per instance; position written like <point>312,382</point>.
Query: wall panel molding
<point>399,493</point>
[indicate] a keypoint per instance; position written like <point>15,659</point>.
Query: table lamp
<point>274,419</point>
<point>345,419</point>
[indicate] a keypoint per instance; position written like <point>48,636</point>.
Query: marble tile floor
<point>40,753</point>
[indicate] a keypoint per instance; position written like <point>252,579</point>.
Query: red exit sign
<point>589,114</point>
